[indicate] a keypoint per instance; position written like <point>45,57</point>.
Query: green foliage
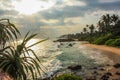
<point>113,42</point>
<point>8,32</point>
<point>109,42</point>
<point>116,42</point>
<point>108,27</point>
<point>103,39</point>
<point>68,77</point>
<point>16,60</point>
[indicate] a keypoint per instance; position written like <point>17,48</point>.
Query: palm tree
<point>8,32</point>
<point>106,20</point>
<point>17,62</point>
<point>115,19</point>
<point>101,27</point>
<point>84,30</point>
<point>92,27</point>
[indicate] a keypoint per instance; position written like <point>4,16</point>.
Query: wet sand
<point>112,52</point>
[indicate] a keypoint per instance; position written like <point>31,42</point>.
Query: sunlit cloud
<point>32,6</point>
<point>51,21</point>
<point>6,5</point>
<point>74,3</point>
<point>56,17</point>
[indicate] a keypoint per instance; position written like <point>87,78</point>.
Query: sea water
<point>55,56</point>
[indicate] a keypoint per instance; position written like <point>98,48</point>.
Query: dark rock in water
<point>117,65</point>
<point>109,74</point>
<point>102,69</point>
<point>75,67</point>
<point>117,73</point>
<point>95,68</point>
<point>61,43</point>
<point>95,72</point>
<point>90,79</point>
<point>70,45</point>
<point>104,77</point>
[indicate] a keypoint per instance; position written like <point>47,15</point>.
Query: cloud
<point>8,12</point>
<point>108,1</point>
<point>73,3</point>
<point>6,4</point>
<point>66,16</point>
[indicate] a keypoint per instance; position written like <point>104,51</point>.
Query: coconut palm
<point>106,20</point>
<point>101,27</point>
<point>17,62</point>
<point>8,32</point>
<point>115,19</point>
<point>92,27</point>
<point>84,30</point>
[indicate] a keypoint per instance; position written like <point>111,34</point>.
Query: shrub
<point>68,77</point>
<point>116,42</point>
<point>103,39</point>
<point>109,42</point>
<point>113,42</point>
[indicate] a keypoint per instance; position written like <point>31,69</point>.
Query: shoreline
<point>104,48</point>
<point>95,71</point>
<point>112,52</point>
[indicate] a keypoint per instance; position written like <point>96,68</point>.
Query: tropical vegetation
<point>15,60</point>
<point>106,31</point>
<point>67,77</point>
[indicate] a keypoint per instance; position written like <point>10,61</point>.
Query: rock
<point>75,67</point>
<point>117,73</point>
<point>117,65</point>
<point>108,65</point>
<point>95,68</point>
<point>90,79</point>
<point>95,72</point>
<point>102,69</point>
<point>104,77</point>
<point>109,74</point>
<point>70,45</point>
<point>61,43</point>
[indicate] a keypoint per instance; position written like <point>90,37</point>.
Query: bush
<point>113,42</point>
<point>110,42</point>
<point>116,42</point>
<point>103,39</point>
<point>68,77</point>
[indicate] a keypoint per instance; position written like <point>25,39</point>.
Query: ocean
<point>56,56</point>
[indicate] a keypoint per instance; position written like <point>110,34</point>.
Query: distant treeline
<point>106,32</point>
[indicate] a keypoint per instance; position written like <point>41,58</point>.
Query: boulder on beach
<point>106,76</point>
<point>117,65</point>
<point>75,67</point>
<point>118,73</point>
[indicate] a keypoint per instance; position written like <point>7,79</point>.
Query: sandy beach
<point>105,48</point>
<point>112,52</point>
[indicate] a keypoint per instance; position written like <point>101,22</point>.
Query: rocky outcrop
<point>117,65</point>
<point>75,67</point>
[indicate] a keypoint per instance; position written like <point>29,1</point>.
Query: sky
<point>52,18</point>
